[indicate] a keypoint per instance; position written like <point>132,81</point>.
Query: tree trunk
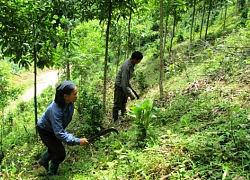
<point>1,141</point>
<point>118,50</point>
<point>208,16</point>
<point>225,16</point>
<point>173,32</point>
<point>118,58</point>
<point>202,19</point>
<point>165,33</point>
<point>161,50</point>
<point>106,58</point>
<point>67,66</point>
<point>129,35</point>
<point>35,73</point>
<point>192,24</point>
<point>35,90</point>
<point>67,56</point>
<point>166,28</point>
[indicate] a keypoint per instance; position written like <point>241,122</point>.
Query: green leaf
<point>55,16</point>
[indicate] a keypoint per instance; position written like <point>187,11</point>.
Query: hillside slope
<point>201,129</point>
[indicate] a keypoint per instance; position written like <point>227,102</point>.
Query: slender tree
<point>192,23</point>
<point>173,29</point>
<point>203,17</point>
<point>167,11</point>
<point>110,9</point>
<point>161,50</point>
<point>208,16</point>
<point>225,15</point>
<point>129,34</point>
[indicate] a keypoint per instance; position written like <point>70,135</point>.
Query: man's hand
<point>83,142</point>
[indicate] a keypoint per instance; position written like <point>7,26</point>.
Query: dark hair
<point>137,55</point>
<point>66,87</point>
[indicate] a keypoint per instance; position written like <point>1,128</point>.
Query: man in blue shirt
<point>51,127</point>
<point>122,85</point>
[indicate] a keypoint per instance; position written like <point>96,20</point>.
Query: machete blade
<point>101,133</point>
<point>137,96</point>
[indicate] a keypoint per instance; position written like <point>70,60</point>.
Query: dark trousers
<point>55,147</point>
<point>120,100</point>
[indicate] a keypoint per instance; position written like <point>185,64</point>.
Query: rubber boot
<point>52,170</point>
<point>123,112</point>
<point>115,115</point>
<point>44,161</point>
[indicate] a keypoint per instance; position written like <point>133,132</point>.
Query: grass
<point>25,78</point>
<point>201,130</point>
<point>187,141</point>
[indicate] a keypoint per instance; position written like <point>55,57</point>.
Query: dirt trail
<point>44,80</point>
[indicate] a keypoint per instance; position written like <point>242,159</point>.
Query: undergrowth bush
<point>143,114</point>
<point>89,114</point>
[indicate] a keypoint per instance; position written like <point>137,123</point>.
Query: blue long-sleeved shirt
<point>56,119</point>
<point>124,75</point>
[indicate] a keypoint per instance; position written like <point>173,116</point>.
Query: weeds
<point>143,112</point>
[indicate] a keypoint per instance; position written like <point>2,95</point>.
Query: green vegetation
<point>199,129</point>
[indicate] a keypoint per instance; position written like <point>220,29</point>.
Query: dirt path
<point>44,80</point>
